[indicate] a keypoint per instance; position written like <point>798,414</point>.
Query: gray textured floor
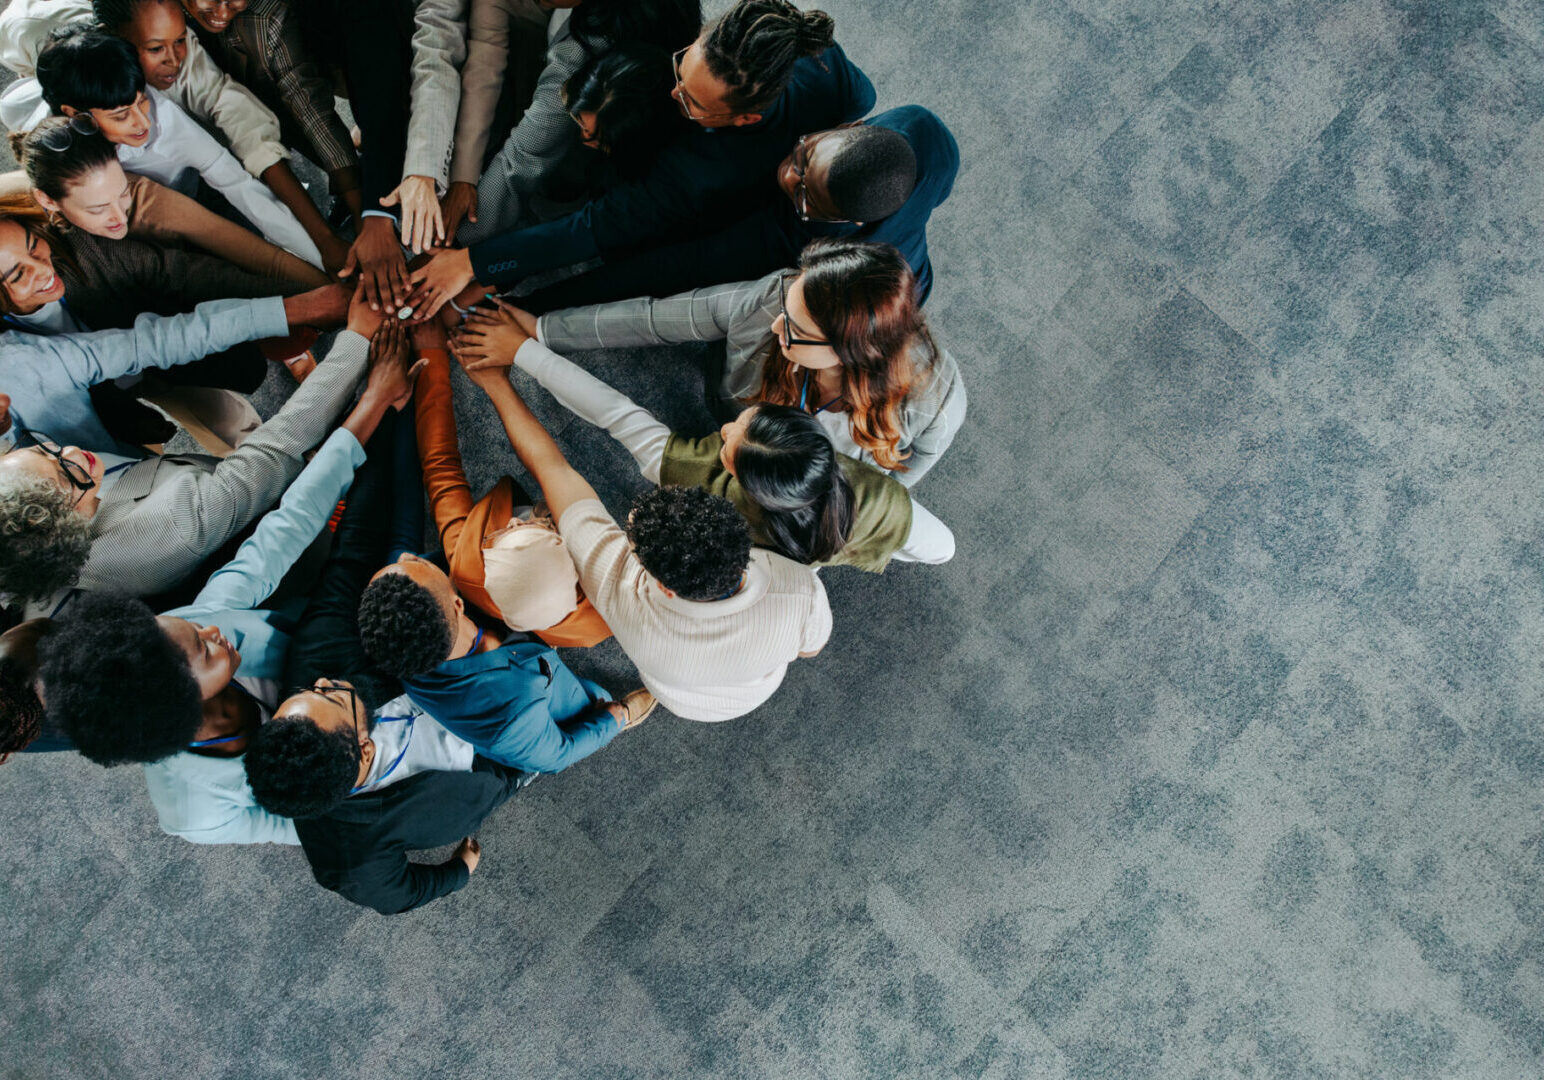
<point>1216,752</point>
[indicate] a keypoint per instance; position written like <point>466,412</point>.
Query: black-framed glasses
<point>77,474</point>
<point>680,91</point>
<point>782,303</point>
<point>325,687</point>
<point>58,139</point>
<point>801,195</point>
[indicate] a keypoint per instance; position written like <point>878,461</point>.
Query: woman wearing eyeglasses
<point>775,462</point>
<point>540,156</point>
<point>842,337</point>
<point>215,668</point>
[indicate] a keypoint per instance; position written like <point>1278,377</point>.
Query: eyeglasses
<point>683,97</point>
<point>325,688</point>
<point>782,303</point>
<point>58,139</point>
<point>77,474</point>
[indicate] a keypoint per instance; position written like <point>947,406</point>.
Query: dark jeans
<point>382,516</point>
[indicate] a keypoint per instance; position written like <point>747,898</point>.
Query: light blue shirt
<point>207,799</point>
<point>48,376</point>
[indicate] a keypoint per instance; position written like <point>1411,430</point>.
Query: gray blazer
<point>544,140</point>
<point>439,48</point>
<point>165,515</point>
<point>741,315</point>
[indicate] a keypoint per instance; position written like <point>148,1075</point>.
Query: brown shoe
<point>637,705</point>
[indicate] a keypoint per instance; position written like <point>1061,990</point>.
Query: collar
<point>754,586</point>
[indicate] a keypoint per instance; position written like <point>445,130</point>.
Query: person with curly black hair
<point>515,701</point>
<point>23,725</point>
<point>365,789</point>
<point>102,644</point>
<point>710,623</point>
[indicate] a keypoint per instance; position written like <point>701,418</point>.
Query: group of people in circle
<point>263,625</point>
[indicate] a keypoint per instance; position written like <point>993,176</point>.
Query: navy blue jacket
<point>699,182</point>
<point>772,236</point>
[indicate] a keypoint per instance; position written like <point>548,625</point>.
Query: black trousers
<point>372,42</point>
<point>383,514</point>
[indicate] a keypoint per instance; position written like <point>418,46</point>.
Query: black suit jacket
<point>360,849</point>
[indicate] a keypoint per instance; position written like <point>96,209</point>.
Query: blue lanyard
<point>476,641</point>
<point>199,743</point>
<point>804,393</point>
<point>357,788</point>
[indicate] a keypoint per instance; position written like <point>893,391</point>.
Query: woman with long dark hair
<point>841,338</point>
<point>537,160</point>
<point>774,462</point>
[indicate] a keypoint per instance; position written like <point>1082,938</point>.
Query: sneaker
<point>637,705</point>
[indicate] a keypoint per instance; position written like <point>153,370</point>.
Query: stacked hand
<point>391,377</point>
<point>490,337</point>
<point>448,271</point>
<point>382,268</point>
<point>458,205</point>
<point>422,226</point>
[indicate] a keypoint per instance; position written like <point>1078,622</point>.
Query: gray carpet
<point>1214,753</point>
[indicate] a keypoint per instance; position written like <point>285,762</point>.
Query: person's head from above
<point>530,575</point>
<point>83,70</point>
<point>620,102</point>
<point>156,28</point>
<point>409,617</point>
<point>48,494</point>
<point>855,173</point>
<point>21,710</point>
<point>693,543</point>
<point>29,247</point>
<point>740,64</point>
<point>850,308</point>
<point>75,174</point>
<point>119,686</point>
<point>313,753</point>
<point>215,16</point>
<point>599,25</point>
<point>784,460</point>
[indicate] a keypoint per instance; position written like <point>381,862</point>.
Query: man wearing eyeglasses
<point>366,788</point>
<point>713,174</point>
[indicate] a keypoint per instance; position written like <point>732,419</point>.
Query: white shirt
<point>703,660</point>
<point>409,740</point>
<point>177,143</point>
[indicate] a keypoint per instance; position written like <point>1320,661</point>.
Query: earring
<point>53,219</point>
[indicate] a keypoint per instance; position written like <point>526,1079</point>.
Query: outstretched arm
<point>561,484</point>
<point>497,339</point>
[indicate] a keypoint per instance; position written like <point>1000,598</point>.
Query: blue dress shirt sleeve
<point>285,532</point>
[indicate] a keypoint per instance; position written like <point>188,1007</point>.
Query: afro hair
<point>100,647</point>
<point>402,626</point>
<point>297,770</point>
<point>693,542</point>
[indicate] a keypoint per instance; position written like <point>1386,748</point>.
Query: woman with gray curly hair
<point>44,540</point>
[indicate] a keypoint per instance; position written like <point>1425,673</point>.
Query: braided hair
<point>754,45</point>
